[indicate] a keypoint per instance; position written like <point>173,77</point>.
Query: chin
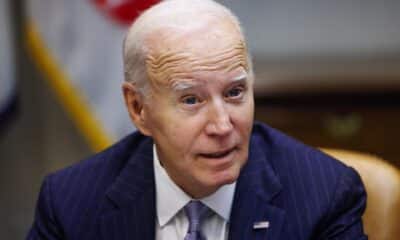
<point>225,177</point>
<point>210,183</point>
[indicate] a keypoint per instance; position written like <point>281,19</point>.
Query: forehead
<point>175,54</point>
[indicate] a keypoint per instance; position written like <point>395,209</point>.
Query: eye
<point>190,100</point>
<point>235,92</point>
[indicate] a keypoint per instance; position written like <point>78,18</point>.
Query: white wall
<point>291,38</point>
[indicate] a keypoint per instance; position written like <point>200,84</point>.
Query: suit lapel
<point>256,189</point>
<point>129,209</point>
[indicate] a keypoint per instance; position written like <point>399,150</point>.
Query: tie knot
<point>195,212</point>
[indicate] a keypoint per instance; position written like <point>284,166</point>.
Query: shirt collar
<point>170,199</point>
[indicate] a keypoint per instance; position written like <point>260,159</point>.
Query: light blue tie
<point>195,212</point>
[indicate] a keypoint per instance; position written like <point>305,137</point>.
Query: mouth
<point>218,154</point>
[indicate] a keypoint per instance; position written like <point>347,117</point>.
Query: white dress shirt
<point>172,222</point>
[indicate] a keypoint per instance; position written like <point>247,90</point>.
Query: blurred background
<point>327,73</point>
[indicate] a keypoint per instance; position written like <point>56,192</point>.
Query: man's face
<point>200,112</point>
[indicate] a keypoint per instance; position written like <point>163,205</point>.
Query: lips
<point>218,154</point>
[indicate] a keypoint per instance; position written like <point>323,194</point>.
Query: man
<point>198,168</point>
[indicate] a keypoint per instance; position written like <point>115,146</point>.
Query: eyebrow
<point>182,86</point>
<point>241,77</point>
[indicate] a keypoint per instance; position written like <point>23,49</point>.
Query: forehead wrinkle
<point>165,63</point>
<point>214,62</point>
<point>165,59</point>
<point>170,58</point>
<point>161,68</point>
<point>172,64</point>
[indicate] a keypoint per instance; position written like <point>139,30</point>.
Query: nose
<point>219,120</point>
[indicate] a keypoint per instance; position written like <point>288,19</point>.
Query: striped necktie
<point>195,212</point>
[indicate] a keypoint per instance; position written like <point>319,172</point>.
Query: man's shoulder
<point>328,193</point>
<point>99,170</point>
<point>75,195</point>
<point>277,140</point>
<point>289,155</point>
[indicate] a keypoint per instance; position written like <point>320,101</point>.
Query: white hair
<point>177,14</point>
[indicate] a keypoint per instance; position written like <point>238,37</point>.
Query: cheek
<point>180,132</point>
<point>243,116</point>
<point>190,131</point>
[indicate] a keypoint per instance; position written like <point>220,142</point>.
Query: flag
<point>78,45</point>
<point>7,70</point>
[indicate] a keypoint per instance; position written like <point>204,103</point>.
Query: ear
<point>135,104</point>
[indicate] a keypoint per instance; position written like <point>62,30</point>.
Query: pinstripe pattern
<point>303,193</point>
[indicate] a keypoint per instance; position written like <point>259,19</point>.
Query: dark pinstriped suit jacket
<point>303,193</point>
